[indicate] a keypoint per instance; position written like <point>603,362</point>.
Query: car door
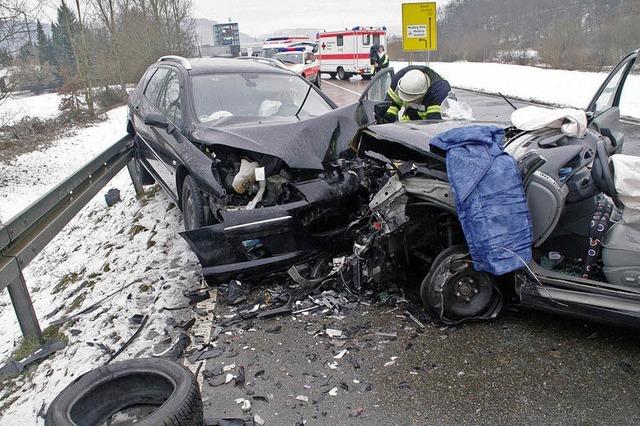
<point>311,66</point>
<point>170,105</point>
<point>374,96</point>
<point>604,109</point>
<point>145,105</point>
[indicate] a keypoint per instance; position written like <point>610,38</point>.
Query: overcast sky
<point>257,17</point>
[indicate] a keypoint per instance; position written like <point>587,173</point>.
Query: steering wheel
<point>602,173</point>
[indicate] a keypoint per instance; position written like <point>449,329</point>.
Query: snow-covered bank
<point>134,244</point>
<point>31,175</point>
<point>17,107</point>
<point>561,87</point>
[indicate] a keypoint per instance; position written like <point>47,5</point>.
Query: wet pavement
<point>485,107</point>
<point>524,367</point>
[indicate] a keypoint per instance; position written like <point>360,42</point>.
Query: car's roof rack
<point>175,58</point>
<point>262,60</point>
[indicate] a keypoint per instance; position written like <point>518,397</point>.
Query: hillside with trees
<point>570,34</point>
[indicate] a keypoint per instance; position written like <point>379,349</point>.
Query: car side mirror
<point>156,120</point>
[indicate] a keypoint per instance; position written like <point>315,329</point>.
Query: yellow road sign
<point>419,27</point>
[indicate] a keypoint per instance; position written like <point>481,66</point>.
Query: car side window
<point>366,39</point>
<point>170,102</point>
<point>340,40</point>
<point>608,96</point>
<point>155,84</point>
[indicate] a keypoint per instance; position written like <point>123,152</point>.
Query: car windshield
<point>269,52</point>
<point>289,58</point>
<point>255,95</point>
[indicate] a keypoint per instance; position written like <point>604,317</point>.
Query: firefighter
<point>383,59</point>
<point>416,93</point>
<point>373,57</point>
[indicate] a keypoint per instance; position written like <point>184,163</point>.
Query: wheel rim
<point>467,293</point>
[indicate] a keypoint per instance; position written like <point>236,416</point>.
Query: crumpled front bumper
<point>252,243</point>
<point>249,244</point>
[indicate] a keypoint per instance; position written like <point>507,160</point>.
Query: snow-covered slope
<point>31,175</point>
<point>561,87</point>
<point>102,250</point>
<point>16,107</point>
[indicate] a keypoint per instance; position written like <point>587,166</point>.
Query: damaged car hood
<point>416,135</point>
<point>301,144</point>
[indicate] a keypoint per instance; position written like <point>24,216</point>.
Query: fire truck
<point>345,53</point>
<point>277,44</point>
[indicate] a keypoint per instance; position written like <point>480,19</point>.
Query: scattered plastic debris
<point>259,420</point>
<point>112,197</point>
<point>245,404</point>
<point>333,332</point>
<point>333,392</point>
<point>341,354</point>
<point>303,398</point>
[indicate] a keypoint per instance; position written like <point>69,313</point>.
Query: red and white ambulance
<point>345,53</point>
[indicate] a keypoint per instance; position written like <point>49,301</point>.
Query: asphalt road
<point>485,107</point>
<point>524,367</point>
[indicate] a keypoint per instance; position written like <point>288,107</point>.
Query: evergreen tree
<point>45,49</point>
<point>62,30</point>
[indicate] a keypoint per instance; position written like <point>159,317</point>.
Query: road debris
<point>112,197</point>
<point>333,332</point>
<point>245,404</point>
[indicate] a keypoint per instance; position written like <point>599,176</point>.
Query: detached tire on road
<point>99,394</point>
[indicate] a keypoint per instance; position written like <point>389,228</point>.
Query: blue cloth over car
<point>490,199</point>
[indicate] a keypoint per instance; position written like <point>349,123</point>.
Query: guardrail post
<point>21,300</point>
<point>135,177</point>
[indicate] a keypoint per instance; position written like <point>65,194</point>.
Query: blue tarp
<point>490,199</point>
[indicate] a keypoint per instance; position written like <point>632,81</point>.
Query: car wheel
<point>366,77</point>
<point>141,174</point>
<point>192,205</point>
<point>163,391</point>
<point>453,291</point>
<point>343,75</point>
<point>332,75</point>
<point>317,82</point>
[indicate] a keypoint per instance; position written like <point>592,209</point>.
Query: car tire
<point>192,205</point>
<point>141,174</point>
<point>157,382</point>
<point>367,77</point>
<point>332,75</point>
<point>318,79</point>
<point>453,291</point>
<point>343,75</point>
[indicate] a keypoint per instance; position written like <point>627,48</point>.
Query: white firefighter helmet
<point>413,86</point>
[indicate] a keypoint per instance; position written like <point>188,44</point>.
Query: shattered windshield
<point>289,58</point>
<point>255,95</point>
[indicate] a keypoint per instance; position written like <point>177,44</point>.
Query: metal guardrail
<point>27,234</point>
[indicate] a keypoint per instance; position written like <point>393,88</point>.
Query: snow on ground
<point>17,107</point>
<point>561,87</point>
<point>31,175</point>
<point>102,250</point>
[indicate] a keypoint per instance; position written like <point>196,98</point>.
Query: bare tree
<point>108,11</point>
<point>81,54</point>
